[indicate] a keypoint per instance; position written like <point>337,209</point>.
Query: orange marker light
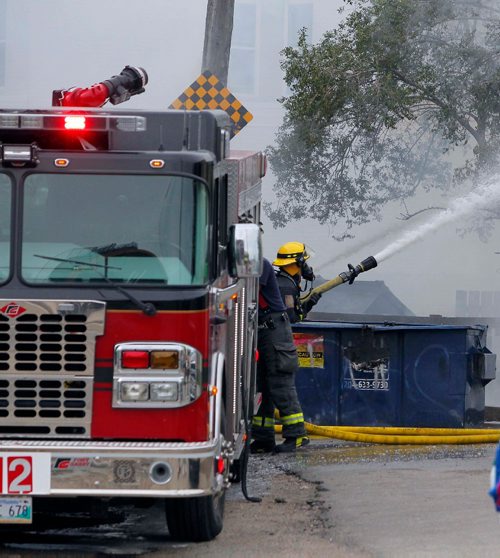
<point>168,360</point>
<point>157,163</point>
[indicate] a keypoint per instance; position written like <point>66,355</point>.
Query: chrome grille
<point>46,343</point>
<point>47,353</point>
<point>59,406</point>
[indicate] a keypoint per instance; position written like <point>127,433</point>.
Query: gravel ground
<point>292,519</point>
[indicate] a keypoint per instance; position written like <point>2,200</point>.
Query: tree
<point>218,32</point>
<point>377,106</point>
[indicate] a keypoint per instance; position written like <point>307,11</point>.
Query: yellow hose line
<point>400,435</point>
<point>417,431</point>
<point>408,430</point>
<point>332,432</point>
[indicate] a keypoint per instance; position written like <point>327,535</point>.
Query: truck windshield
<point>5,228</point>
<point>139,229</point>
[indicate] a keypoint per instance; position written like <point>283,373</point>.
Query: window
<point>299,16</point>
<point>221,239</point>
<point>5,226</point>
<point>148,230</point>
<point>243,49</point>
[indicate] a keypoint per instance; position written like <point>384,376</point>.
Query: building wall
<point>258,45</point>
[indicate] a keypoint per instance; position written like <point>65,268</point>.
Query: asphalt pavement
<point>407,501</point>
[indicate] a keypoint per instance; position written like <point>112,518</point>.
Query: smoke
<point>480,198</point>
<point>359,246</point>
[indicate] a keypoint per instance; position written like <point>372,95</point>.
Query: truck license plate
<point>16,510</point>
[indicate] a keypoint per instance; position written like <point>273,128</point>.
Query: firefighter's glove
<point>314,299</point>
<point>353,273</point>
<point>311,301</point>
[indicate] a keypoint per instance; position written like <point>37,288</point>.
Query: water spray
<point>482,197</point>
<point>345,277</point>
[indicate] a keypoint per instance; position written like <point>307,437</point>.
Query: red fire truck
<point>129,260</point>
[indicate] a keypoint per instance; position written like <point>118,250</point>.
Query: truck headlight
<point>155,375</point>
<point>134,391</point>
<point>164,391</point>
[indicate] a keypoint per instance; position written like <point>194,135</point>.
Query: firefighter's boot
<point>292,444</point>
<point>262,446</point>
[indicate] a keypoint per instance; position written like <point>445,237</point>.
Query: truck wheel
<point>199,518</point>
<point>195,519</point>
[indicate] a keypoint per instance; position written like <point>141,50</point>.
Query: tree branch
<point>441,104</point>
<point>407,216</point>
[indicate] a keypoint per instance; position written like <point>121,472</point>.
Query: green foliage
<point>377,106</point>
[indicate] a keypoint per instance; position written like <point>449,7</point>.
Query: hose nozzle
<point>344,277</point>
<point>369,263</point>
<point>130,81</point>
<point>117,89</point>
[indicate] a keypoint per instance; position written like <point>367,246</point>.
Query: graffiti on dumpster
<point>366,368</point>
<point>373,374</point>
<point>310,350</point>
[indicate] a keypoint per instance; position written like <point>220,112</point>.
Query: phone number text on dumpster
<point>366,384</point>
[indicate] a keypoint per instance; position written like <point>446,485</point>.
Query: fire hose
<point>403,436</point>
<point>344,277</point>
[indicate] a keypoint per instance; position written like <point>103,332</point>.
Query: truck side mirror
<point>245,250</point>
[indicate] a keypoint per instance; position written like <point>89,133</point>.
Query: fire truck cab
<point>130,253</point>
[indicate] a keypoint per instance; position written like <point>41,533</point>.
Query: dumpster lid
<point>385,326</point>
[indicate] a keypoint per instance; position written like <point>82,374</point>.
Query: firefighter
<point>291,262</point>
<point>277,366</point>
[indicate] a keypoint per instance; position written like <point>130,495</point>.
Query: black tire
<point>195,519</point>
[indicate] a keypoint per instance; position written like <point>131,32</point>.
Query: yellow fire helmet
<point>290,253</point>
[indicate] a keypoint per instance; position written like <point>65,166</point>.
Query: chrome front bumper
<point>152,469</point>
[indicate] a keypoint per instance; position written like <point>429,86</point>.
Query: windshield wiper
<point>115,250</point>
<point>147,307</point>
<point>77,262</point>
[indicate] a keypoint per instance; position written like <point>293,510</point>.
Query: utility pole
<point>218,31</point>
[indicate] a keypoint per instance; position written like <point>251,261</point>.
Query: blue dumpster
<point>358,374</point>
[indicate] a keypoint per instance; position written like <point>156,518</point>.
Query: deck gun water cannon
<point>117,89</point>
<point>344,277</point>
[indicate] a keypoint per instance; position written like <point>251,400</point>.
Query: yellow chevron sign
<point>208,92</point>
